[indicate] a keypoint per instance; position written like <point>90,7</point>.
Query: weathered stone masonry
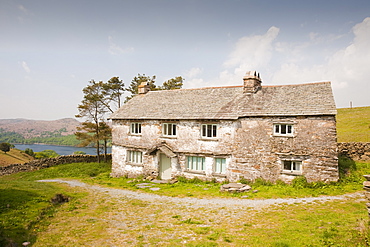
<point>249,146</point>
<point>355,150</point>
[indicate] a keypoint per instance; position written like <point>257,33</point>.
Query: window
<point>220,165</point>
<point>169,129</point>
<point>283,129</point>
<point>135,128</point>
<point>196,163</point>
<point>292,166</point>
<point>135,157</point>
<point>209,130</point>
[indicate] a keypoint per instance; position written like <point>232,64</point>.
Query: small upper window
<point>283,129</point>
<point>209,130</point>
<point>169,129</point>
<point>135,128</point>
<point>292,166</point>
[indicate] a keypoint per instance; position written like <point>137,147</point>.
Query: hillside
<point>39,128</point>
<point>353,124</point>
<point>14,156</point>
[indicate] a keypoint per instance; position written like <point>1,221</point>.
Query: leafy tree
<point>174,83</point>
<point>105,136</point>
<point>5,147</point>
<point>135,83</point>
<point>29,151</point>
<point>92,108</point>
<point>113,91</point>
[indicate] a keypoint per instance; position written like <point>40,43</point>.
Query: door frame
<point>160,165</point>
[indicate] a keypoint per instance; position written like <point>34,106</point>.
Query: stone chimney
<point>252,82</point>
<point>143,88</point>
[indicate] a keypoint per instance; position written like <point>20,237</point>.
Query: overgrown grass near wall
<point>353,124</point>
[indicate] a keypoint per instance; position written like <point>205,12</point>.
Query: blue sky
<point>49,50</point>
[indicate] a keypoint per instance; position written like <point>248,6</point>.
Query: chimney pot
<point>252,82</point>
<point>143,88</point>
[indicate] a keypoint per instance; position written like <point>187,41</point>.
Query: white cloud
<point>25,67</point>
<point>115,49</point>
<point>347,68</point>
<point>250,53</point>
<point>253,51</point>
<point>23,9</point>
<point>193,72</point>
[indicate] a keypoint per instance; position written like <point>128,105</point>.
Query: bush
<point>30,152</point>
<point>299,182</point>
<point>46,154</point>
<point>262,182</point>
<point>5,147</point>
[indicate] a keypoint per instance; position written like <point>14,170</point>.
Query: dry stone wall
<point>48,162</point>
<point>355,150</point>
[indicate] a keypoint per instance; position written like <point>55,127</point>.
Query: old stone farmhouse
<point>250,131</point>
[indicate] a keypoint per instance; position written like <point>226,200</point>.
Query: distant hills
<point>38,128</point>
<point>57,132</point>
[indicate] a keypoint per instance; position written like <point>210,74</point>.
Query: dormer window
<point>283,129</point>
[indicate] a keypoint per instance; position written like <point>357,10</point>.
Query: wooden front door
<point>165,166</point>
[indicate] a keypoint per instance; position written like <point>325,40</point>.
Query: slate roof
<point>230,103</point>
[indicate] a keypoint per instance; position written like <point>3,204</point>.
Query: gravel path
<point>118,217</point>
<point>197,202</point>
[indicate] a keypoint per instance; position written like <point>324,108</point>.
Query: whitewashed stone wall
<point>249,146</point>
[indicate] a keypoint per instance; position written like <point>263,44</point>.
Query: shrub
<point>5,147</point>
<point>299,182</point>
<point>46,154</point>
<point>262,182</point>
<point>244,180</point>
<point>346,166</point>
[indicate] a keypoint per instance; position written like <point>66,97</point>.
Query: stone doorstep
<point>156,181</point>
<point>233,185</point>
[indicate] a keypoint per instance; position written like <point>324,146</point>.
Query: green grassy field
<point>26,213</point>
<point>14,156</point>
<point>353,124</point>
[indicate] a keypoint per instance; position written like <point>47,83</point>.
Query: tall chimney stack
<point>143,88</point>
<point>252,82</point>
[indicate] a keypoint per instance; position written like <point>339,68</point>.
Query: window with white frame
<point>220,165</point>
<point>169,129</point>
<point>135,128</point>
<point>283,129</point>
<point>135,157</point>
<point>209,130</point>
<point>292,166</point>
<point>195,163</point>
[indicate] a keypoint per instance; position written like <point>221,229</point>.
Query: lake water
<point>61,150</point>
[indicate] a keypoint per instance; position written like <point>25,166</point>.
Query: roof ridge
<point>299,84</point>
<point>238,86</point>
